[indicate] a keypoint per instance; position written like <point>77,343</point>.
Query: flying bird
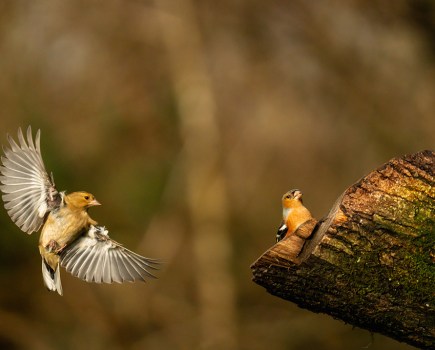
<point>69,237</point>
<point>294,214</point>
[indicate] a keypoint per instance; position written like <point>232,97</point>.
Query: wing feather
<point>95,257</point>
<point>282,231</point>
<point>28,191</point>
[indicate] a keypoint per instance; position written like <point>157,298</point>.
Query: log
<point>371,261</point>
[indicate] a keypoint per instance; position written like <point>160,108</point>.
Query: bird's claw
<point>54,247</point>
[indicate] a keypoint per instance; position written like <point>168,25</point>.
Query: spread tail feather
<point>51,277</point>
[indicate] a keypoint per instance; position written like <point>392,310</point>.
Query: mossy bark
<point>371,261</point>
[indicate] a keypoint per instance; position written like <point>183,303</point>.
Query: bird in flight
<point>69,237</point>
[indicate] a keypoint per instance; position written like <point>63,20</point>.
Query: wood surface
<point>371,261</point>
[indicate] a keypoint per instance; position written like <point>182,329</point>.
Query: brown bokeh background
<point>188,120</point>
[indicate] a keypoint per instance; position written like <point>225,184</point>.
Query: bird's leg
<point>60,248</point>
<point>54,247</point>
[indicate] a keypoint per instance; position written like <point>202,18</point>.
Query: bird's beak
<point>94,202</point>
<point>298,194</point>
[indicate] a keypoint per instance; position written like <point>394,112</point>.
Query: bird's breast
<point>62,226</point>
<point>296,217</point>
<point>285,213</point>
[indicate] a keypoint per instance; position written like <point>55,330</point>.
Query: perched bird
<point>294,214</point>
<point>69,236</point>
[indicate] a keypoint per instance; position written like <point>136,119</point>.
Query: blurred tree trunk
<point>205,191</point>
<point>371,261</point>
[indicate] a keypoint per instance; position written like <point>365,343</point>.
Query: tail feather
<point>51,277</point>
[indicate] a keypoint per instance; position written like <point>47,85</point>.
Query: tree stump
<point>371,261</point>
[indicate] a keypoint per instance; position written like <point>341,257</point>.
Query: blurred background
<point>188,120</point>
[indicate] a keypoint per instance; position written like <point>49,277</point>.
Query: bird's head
<point>290,197</point>
<point>81,200</point>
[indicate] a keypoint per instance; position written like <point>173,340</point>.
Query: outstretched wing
<point>95,257</point>
<point>28,191</point>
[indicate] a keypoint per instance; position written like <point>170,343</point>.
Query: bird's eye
<point>86,197</point>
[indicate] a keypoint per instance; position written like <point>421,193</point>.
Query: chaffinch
<point>69,236</point>
<point>294,214</point>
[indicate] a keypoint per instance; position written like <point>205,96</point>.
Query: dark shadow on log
<point>371,261</point>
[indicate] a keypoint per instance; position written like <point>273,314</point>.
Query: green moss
<point>407,273</point>
<point>417,277</point>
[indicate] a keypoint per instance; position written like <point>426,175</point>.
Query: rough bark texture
<point>371,261</point>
